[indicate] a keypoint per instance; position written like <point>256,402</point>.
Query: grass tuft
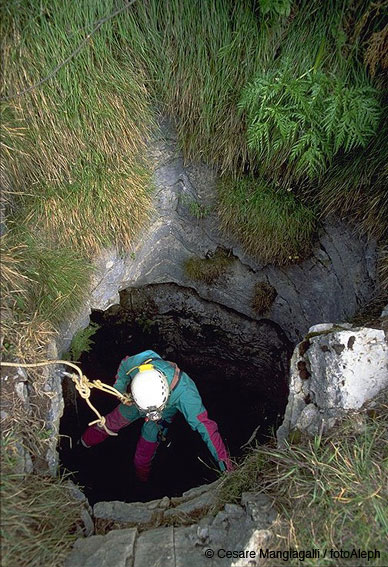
<point>40,520</point>
<point>40,286</point>
<point>264,295</point>
<point>73,147</point>
<point>355,187</point>
<point>338,483</point>
<point>272,226</point>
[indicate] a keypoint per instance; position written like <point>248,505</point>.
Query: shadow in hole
<point>235,394</point>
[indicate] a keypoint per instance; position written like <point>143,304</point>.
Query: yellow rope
<point>83,385</point>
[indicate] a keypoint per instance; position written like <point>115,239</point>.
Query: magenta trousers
<point>145,450</point>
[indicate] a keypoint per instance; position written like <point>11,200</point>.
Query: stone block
<point>116,549</point>
<point>198,490</point>
<point>195,506</point>
<point>133,514</point>
<point>155,547</point>
<point>259,508</point>
<point>234,510</point>
<point>187,554</point>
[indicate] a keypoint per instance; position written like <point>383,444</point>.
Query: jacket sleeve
<point>190,404</point>
<point>129,362</point>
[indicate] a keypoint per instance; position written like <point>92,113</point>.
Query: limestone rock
<point>327,286</point>
<point>132,514</point>
<point>259,507</point>
<point>196,505</point>
<point>86,511</point>
<point>337,371</point>
<point>198,490</point>
<point>116,549</point>
<point>155,547</point>
<point>236,527</point>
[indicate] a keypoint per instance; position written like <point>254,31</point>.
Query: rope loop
<point>83,386</point>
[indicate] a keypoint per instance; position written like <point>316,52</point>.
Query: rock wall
<point>336,369</point>
<point>328,286</point>
<point>169,532</point>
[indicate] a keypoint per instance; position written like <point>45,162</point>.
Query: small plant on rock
<point>208,270</point>
<point>263,297</point>
<point>82,341</point>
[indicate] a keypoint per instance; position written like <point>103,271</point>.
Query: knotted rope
<point>83,386</point>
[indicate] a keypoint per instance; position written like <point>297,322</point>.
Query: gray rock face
<point>133,514</point>
<point>116,549</point>
<point>329,286</point>
<point>236,527</point>
<point>333,371</point>
<point>200,503</point>
<point>193,325</point>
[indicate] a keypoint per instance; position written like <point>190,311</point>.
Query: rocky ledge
<point>183,532</point>
<point>337,369</point>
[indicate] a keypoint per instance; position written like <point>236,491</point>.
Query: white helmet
<point>150,391</point>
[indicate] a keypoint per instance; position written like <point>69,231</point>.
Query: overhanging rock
<point>328,286</point>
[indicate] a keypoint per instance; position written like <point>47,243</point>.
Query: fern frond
<point>351,117</point>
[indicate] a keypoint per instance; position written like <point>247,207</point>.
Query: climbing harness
<point>83,385</point>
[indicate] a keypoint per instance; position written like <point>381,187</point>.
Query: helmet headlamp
<point>150,391</point>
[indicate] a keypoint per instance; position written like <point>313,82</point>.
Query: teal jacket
<point>184,398</point>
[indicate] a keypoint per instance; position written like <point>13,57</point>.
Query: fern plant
<point>82,341</point>
<point>299,124</point>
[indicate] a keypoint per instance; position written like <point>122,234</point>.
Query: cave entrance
<point>239,366</point>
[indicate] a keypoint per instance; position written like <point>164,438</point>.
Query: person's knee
<point>149,431</point>
<point>93,436</point>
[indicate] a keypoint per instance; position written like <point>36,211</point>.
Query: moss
<point>264,295</point>
<point>208,270</point>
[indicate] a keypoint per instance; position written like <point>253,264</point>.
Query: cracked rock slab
<point>199,504</point>
<point>133,514</point>
<point>116,549</point>
<point>155,547</point>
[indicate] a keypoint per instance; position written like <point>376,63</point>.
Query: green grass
<point>272,226</point>
<point>38,515</point>
<point>73,146</point>
<point>355,187</point>
<point>73,153</point>
<point>225,44</point>
<point>331,492</point>
<point>40,286</point>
